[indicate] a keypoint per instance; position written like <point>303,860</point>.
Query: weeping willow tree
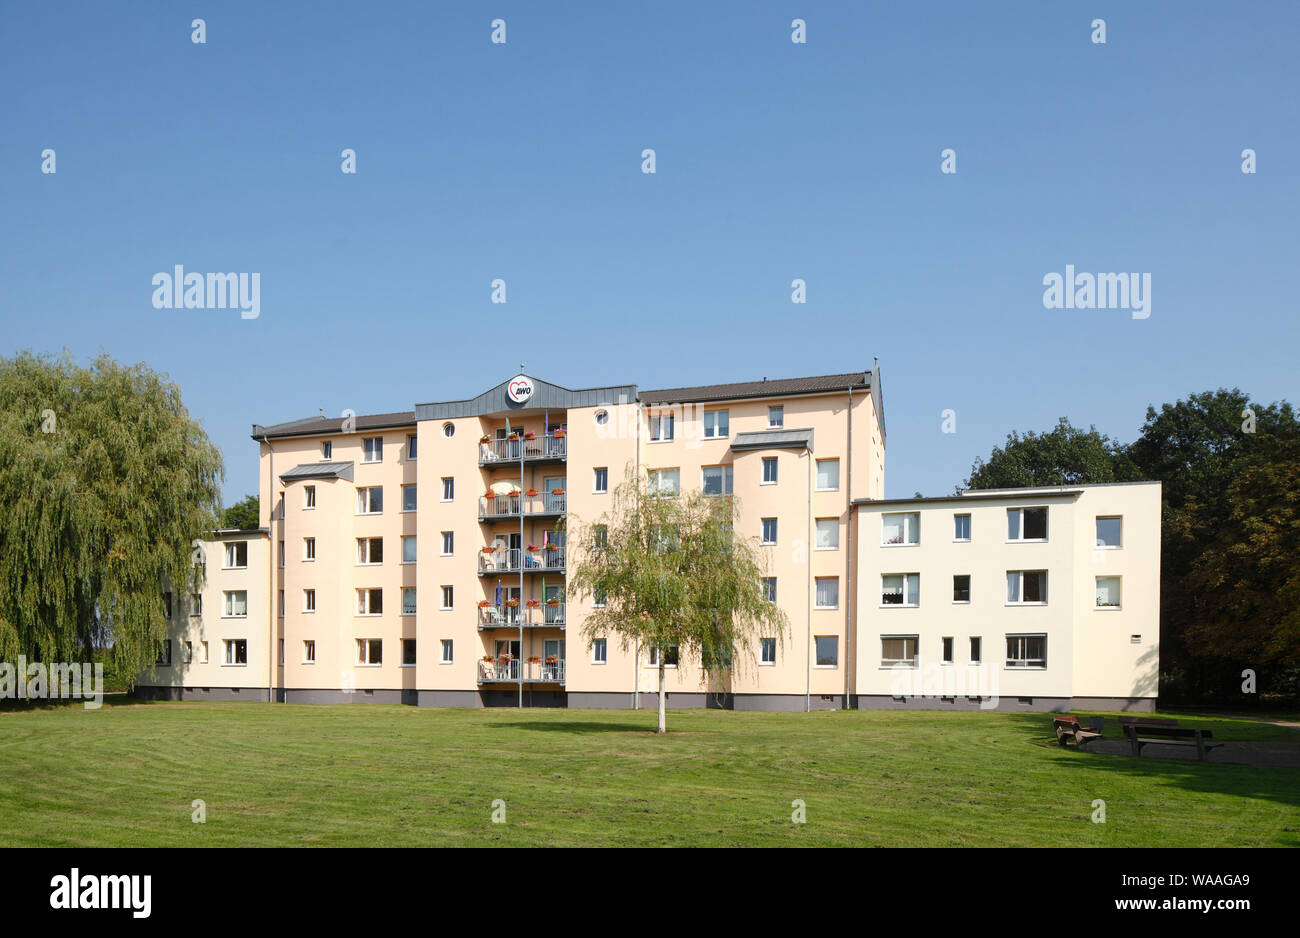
<point>105,480</point>
<point>671,572</point>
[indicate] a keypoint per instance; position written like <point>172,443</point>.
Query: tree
<point>671,573</point>
<point>1065,455</point>
<point>243,514</point>
<point>105,480</point>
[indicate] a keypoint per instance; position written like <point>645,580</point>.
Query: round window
<point>448,429</point>
<point>602,417</point>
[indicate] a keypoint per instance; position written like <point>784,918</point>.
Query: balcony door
<point>554,503</point>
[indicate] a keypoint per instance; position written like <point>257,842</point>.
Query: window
<point>767,651</point>
<point>961,587</point>
<point>309,652</point>
<point>236,555</point>
<point>309,548</point>
<point>236,651</point>
<point>165,654</point>
<point>900,589</point>
<point>599,536</point>
<point>327,450</point>
<point>1026,524</point>
<point>664,482</point>
<point>775,417</point>
<point>196,604</point>
<point>1026,651</point>
<point>167,604</point>
<point>370,602</point>
<point>370,501</point>
<point>828,592</point>
<point>236,604</point>
<point>188,653</point>
<point>280,604</point>
<point>670,656</point>
<point>448,488</point>
<point>899,651</point>
<point>370,550</point>
<point>828,475</point>
<point>1110,532</point>
<point>828,534</point>
<point>408,498</point>
<point>448,545</point>
<point>599,651</point>
<point>900,528</point>
<point>828,651</point>
<point>372,449</point>
<point>203,652</point>
<point>408,652</point>
<point>769,470</point>
<point>309,496</point>
<point>975,649</point>
<point>412,441</point>
<point>769,588</point>
<point>448,597</point>
<point>1108,592</point>
<point>281,553</point>
<point>308,600</point>
<point>716,424</point>
<point>370,651</point>
<point>281,653</point>
<point>408,600</point>
<point>947,651</point>
<point>598,598</point>
<point>769,531</point>
<point>661,426</point>
<point>718,480</point>
<point>408,547</point>
<point>961,527</point>
<point>448,651</point>
<point>600,484</point>
<point>1027,588</point>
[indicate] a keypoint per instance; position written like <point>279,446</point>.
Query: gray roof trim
<point>546,396</point>
<point>320,426</point>
<point>773,439</point>
<point>780,387</point>
<point>998,495</point>
<point>230,534</point>
<point>319,470</point>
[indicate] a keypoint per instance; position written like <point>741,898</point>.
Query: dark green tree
<point>1064,455</point>
<point>242,514</point>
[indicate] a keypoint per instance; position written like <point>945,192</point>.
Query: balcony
<point>513,560</point>
<point>548,448</point>
<point>500,671</point>
<point>513,617</point>
<point>542,505</point>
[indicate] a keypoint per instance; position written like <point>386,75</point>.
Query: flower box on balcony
<point>512,603</point>
<point>484,604</point>
<point>532,604</point>
<point>530,435</point>
<point>514,437</point>
<point>558,434</point>
<point>533,548</point>
<point>557,491</point>
<point>490,495</point>
<point>485,438</point>
<point>552,602</point>
<point>488,550</point>
<point>531,493</point>
<point>552,660</point>
<point>534,660</point>
<point>488,659</point>
<point>552,546</point>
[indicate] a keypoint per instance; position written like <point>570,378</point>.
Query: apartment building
<point>1042,598</point>
<point>220,645</point>
<point>420,557</point>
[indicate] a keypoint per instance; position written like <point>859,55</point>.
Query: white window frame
<point>967,516</point>
<point>770,462</point>
<point>599,475</point>
<point>370,452</point>
<point>364,550</point>
<point>817,603</point>
<point>326,450</point>
<point>600,651</point>
<point>728,480</point>
<point>447,592</point>
<point>412,539</point>
<point>777,411</point>
<point>227,604</point>
<point>767,652</point>
<point>1026,667</point>
<point>413,444</point>
<point>655,478</point>
<point>448,651</point>
<point>765,582</point>
<point>309,498</point>
<point>448,545</point>
<point>817,475</point>
<point>763,538</point>
<point>910,528</point>
<point>652,657</point>
<point>817,530</point>
<point>904,664</point>
<point>908,580</point>
<point>712,424</point>
<point>364,500</point>
<point>309,600</point>
<point>970,649</point>
<point>1096,603</point>
<point>826,667</point>
<point>365,604</point>
<point>1020,590</point>
<point>364,650</point>
<point>309,550</point>
<point>970,580</point>
<point>1096,539</point>
<point>309,651</point>
<point>448,486</point>
<point>414,600</point>
<point>1020,525</point>
<point>411,487</point>
<point>665,419</point>
<point>231,554</point>
<point>229,646</point>
<point>403,663</point>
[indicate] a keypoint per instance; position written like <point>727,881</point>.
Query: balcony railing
<point>534,672</point>
<point>512,617</point>
<point>512,560</point>
<point>511,506</point>
<point>543,447</point>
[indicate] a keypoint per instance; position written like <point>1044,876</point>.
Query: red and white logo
<point>519,389</point>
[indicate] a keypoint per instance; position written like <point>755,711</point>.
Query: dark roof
<point>341,469</point>
<point>778,387</point>
<point>773,439</point>
<point>313,426</point>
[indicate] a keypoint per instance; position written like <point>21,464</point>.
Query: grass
<point>370,775</point>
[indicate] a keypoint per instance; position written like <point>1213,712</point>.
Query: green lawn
<point>397,776</point>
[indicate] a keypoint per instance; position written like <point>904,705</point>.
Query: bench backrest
<point>1167,732</point>
<point>1147,721</point>
<point>1068,721</point>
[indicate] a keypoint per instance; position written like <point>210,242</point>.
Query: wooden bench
<point>1148,734</point>
<point>1147,721</point>
<point>1068,728</point>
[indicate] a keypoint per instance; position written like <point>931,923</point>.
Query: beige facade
<point>420,557</point>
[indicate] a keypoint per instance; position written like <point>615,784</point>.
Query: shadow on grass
<point>1274,783</point>
<point>576,729</point>
<point>10,705</point>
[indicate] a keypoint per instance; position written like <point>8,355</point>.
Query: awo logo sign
<point>88,891</point>
<point>520,389</point>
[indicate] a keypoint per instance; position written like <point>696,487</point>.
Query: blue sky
<point>775,161</point>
